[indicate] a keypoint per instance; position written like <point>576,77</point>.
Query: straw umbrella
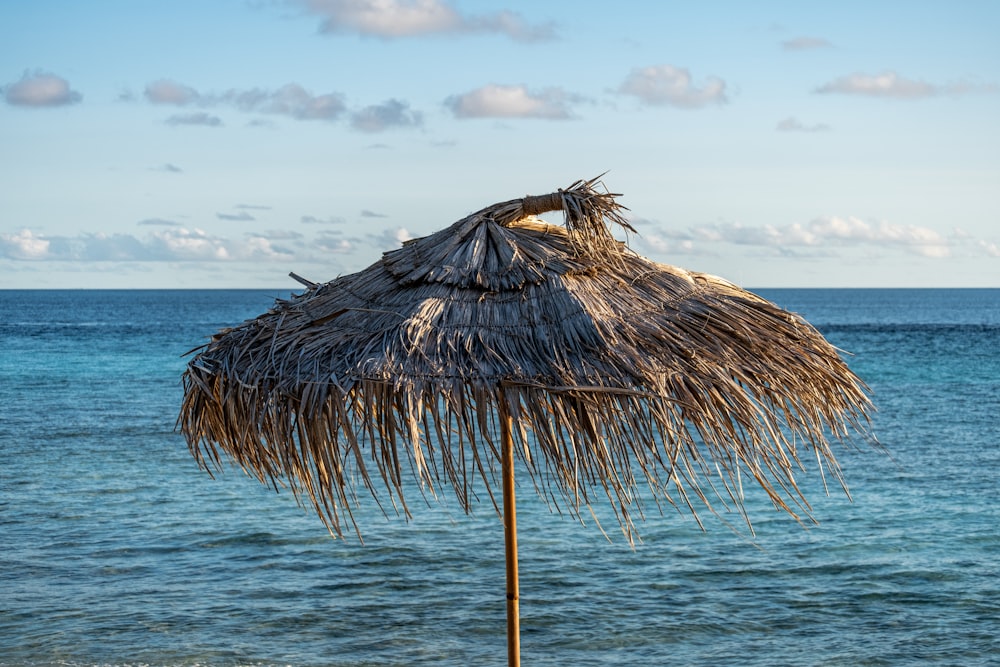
<point>603,375</point>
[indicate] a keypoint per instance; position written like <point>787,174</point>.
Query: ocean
<point>115,549</point>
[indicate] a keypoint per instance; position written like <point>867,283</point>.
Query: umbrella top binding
<point>492,249</point>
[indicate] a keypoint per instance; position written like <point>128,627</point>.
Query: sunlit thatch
<point>625,378</point>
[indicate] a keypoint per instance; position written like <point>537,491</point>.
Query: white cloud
<point>259,247</point>
<point>669,85</point>
<point>805,44</point>
<point>242,216</point>
<point>158,222</point>
<point>892,85</point>
<point>24,244</point>
<point>333,242</point>
<point>665,244</point>
<point>189,244</point>
<point>391,238</point>
<point>791,124</point>
<point>402,235</point>
<point>195,118</point>
<point>390,19</point>
<point>313,220</point>
<point>277,235</point>
<point>511,24</point>
<point>165,91</point>
<point>495,101</point>
<point>40,89</point>
<point>389,114</point>
<point>290,100</point>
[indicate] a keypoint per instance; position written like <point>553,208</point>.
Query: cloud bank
<point>826,235</point>
<point>171,244</point>
<point>174,243</point>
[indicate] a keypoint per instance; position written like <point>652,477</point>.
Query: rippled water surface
<point>117,550</point>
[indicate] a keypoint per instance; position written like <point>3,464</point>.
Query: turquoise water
<point>116,550</point>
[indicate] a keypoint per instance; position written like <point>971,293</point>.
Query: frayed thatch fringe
<point>624,378</point>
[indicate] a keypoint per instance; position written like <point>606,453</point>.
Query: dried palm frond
<point>623,377</point>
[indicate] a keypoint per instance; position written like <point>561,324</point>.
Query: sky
<point>224,144</point>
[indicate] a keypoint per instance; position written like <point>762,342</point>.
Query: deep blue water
<point>115,549</point>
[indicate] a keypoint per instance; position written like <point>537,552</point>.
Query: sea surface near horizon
<point>115,549</point>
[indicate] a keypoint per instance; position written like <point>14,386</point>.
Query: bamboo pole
<point>510,540</point>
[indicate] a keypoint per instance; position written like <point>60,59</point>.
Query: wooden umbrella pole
<point>510,540</point>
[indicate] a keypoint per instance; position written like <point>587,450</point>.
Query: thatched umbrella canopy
<point>606,375</point>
